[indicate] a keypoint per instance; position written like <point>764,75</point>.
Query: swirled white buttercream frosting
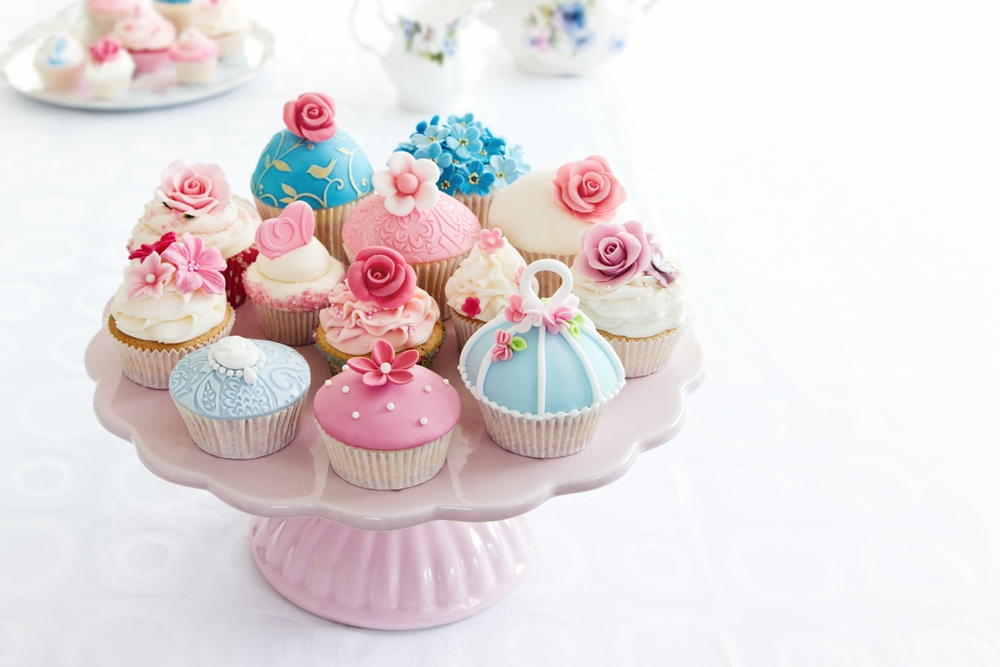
<point>173,318</point>
<point>299,280</point>
<point>231,231</point>
<point>488,278</point>
<point>640,308</point>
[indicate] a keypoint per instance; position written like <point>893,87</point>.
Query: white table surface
<point>829,173</point>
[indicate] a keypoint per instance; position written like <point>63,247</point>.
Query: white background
<point>829,173</point>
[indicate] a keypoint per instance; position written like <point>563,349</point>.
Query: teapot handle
<point>352,24</point>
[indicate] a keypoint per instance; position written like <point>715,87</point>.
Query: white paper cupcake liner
<point>386,470</point>
<point>243,438</point>
<point>548,282</point>
<point>151,368</point>
<point>644,356</point>
<point>464,327</point>
<point>547,438</point>
<point>60,78</point>
<point>478,204</point>
<point>111,87</point>
<point>231,45</point>
<point>433,276</point>
<point>329,225</point>
<point>196,74</point>
<point>287,327</point>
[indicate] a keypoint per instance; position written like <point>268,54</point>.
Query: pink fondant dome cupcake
<point>196,199</point>
<point>293,277</point>
<point>148,37</point>
<point>387,422</point>
<point>379,301</point>
<point>195,58</point>
<point>408,213</point>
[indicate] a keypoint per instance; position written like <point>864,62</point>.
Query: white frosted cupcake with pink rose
<point>109,69</point>
<point>197,199</point>
<point>195,58</point>
<point>148,37</point>
<point>546,212</point>
<point>636,297</point>
<point>293,277</point>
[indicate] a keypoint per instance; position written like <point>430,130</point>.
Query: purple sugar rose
<point>611,255</point>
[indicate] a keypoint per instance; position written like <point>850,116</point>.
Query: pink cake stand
<point>393,560</point>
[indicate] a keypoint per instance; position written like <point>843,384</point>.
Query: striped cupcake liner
<point>645,356</point>
<point>386,470</point>
<point>243,438</point>
<point>546,438</point>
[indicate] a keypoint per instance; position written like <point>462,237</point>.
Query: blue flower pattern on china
<point>562,27</point>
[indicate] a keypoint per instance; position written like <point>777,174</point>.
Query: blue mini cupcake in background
<point>241,398</point>
<point>541,372</point>
<point>315,161</point>
<point>475,163</point>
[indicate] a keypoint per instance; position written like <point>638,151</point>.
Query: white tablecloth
<point>829,173</point>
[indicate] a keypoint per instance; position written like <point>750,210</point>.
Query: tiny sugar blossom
<point>471,307</point>
<point>478,180</point>
<point>145,250</point>
<point>435,154</point>
<point>408,183</point>
<point>451,179</point>
<point>385,366</point>
<point>197,266</point>
<point>492,240</point>
<point>504,169</point>
<point>501,349</point>
<point>659,266</point>
<point>148,277</point>
<point>464,141</point>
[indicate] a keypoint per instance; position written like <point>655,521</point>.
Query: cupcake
<point>481,287</point>
<point>636,297</point>
<point>408,213</point>
<point>386,422</point>
<point>541,372</point>
<point>148,37</point>
<point>314,161</point>
<point>547,212</point>
<point>241,398</point>
<point>195,58</point>
<point>59,62</point>
<point>475,163</point>
<point>109,69</point>
<point>178,12</point>
<point>102,15</point>
<point>379,301</point>
<point>225,22</point>
<point>171,303</point>
<point>196,199</point>
<point>292,278</point>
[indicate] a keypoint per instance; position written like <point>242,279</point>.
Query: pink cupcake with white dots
<point>386,421</point>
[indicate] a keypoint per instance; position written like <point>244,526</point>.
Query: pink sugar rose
<point>381,275</point>
<point>408,183</point>
<point>611,255</point>
<point>105,49</point>
<point>145,250</point>
<point>148,277</point>
<point>197,266</point>
<point>385,366</point>
<point>311,117</point>
<point>195,189</point>
<point>588,189</point>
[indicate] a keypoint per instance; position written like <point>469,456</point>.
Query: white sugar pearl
<point>346,388</point>
<point>423,421</point>
<point>239,374</point>
<point>355,414</point>
<point>344,367</point>
<point>386,367</point>
<point>390,406</point>
<point>328,383</point>
<point>446,381</point>
<point>427,388</point>
<point>230,373</point>
<point>150,278</point>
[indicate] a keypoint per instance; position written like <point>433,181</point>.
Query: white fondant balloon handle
<point>555,266</point>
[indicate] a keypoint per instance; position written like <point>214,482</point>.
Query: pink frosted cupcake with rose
<point>195,58</point>
<point>293,277</point>
<point>546,212</point>
<point>636,297</point>
<point>430,229</point>
<point>148,37</point>
<point>379,301</point>
<point>109,69</point>
<point>197,199</point>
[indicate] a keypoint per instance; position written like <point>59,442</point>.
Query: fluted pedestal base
<point>435,573</point>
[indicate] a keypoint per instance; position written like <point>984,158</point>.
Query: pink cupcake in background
<point>102,15</point>
<point>148,37</point>
<point>109,68</point>
<point>195,57</point>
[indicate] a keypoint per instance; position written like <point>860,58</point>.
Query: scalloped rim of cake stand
<point>684,374</point>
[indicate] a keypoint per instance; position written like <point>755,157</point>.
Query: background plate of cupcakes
<point>121,55</point>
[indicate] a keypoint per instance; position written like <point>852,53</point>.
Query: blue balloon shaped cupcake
<point>315,161</point>
<point>541,372</point>
<point>241,398</point>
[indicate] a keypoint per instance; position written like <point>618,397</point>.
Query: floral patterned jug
<point>426,59</point>
<point>560,37</point>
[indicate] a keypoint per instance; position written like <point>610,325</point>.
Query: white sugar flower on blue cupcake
<point>475,163</point>
<point>241,398</point>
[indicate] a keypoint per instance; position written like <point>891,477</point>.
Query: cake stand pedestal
<point>419,557</point>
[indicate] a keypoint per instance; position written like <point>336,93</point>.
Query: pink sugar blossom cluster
<point>188,264</point>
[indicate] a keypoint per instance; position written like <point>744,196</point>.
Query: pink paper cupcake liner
<point>433,276</point>
<point>236,266</point>
<point>464,327</point>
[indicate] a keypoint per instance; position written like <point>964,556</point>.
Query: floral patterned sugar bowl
<point>563,37</point>
<point>427,58</point>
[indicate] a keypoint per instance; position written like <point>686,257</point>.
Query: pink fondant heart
<point>292,230</point>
